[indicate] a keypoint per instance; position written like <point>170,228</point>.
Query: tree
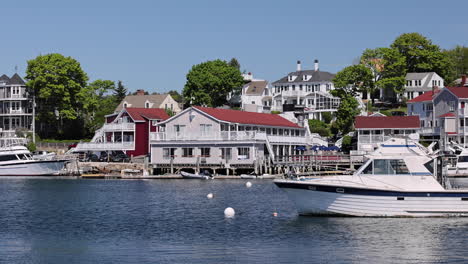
<point>120,92</point>
<point>99,104</point>
<point>348,109</point>
<point>353,79</point>
<point>234,63</point>
<point>176,96</point>
<point>421,55</point>
<point>57,83</point>
<point>319,127</point>
<point>209,83</point>
<point>458,57</point>
<point>388,68</point>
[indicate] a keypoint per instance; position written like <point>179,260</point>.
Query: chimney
<point>298,65</point>
<point>316,65</point>
<point>463,80</point>
<point>140,92</point>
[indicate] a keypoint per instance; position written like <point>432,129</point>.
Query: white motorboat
<point>201,176</point>
<point>18,161</point>
<point>400,179</point>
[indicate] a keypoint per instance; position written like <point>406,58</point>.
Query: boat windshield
<point>463,159</point>
<point>8,157</point>
<point>386,167</point>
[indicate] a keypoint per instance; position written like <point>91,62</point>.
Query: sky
<point>151,45</point>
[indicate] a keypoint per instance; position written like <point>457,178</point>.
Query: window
<point>179,128</point>
<point>8,157</point>
<point>243,153</point>
<point>205,152</point>
<point>15,90</point>
<point>462,122</point>
<point>463,159</point>
<point>386,167</point>
<point>168,153</point>
<point>205,129</point>
<point>226,153</point>
<point>452,106</point>
<point>147,105</point>
<point>187,152</point>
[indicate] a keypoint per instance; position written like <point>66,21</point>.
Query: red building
<point>127,130</point>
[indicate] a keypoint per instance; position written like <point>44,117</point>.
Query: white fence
<point>92,146</point>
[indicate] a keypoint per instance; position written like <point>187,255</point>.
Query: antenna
<point>16,68</point>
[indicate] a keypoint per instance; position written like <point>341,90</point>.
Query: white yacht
<point>400,179</point>
<point>18,161</point>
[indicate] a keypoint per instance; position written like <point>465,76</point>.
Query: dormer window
<point>290,78</point>
<point>147,105</point>
<point>304,77</point>
<point>125,105</point>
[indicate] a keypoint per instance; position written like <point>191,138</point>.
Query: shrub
<point>327,117</point>
<point>275,112</point>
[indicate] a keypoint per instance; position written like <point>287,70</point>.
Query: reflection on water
<point>166,221</point>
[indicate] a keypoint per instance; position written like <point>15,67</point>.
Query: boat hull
<point>313,199</point>
<point>33,168</point>
<point>192,176</point>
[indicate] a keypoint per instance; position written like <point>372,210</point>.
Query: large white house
<point>306,91</point>
<point>225,140</point>
<point>418,83</point>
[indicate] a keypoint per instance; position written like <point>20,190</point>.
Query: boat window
<point>23,156</point>
<point>8,157</point>
<point>386,167</point>
<point>430,166</point>
<point>368,169</point>
<point>463,159</point>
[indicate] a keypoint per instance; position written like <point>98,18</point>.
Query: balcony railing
<point>119,126</point>
<point>102,146</point>
<point>373,138</point>
<point>229,136</point>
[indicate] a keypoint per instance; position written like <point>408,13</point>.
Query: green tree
<point>100,103</point>
<point>458,57</point>
<point>57,83</point>
<point>353,79</point>
<point>234,63</point>
<point>176,96</point>
<point>319,127</point>
<point>348,109</point>
<point>120,92</point>
<point>421,54</point>
<point>388,68</point>
<point>210,82</point>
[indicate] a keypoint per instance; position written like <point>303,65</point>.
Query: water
<point>172,221</point>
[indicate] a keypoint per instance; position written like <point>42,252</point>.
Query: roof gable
<point>376,122</point>
<point>16,79</point>
<point>140,114</point>
<point>243,117</point>
<point>138,101</point>
<point>256,87</point>
<point>425,97</point>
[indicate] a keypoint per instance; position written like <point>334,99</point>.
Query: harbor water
<point>173,221</point>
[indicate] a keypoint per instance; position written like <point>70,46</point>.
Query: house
<point>127,130</point>
<point>374,130</point>
<point>450,107</point>
<point>16,108</point>
<point>224,140</point>
<point>140,100</point>
<point>305,91</point>
<point>418,83</point>
<point>256,96</point>
<point>423,106</point>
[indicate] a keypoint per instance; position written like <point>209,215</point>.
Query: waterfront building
<point>417,83</point>
<point>142,100</point>
<point>226,140</point>
<point>374,130</point>
<point>127,130</point>
<point>450,106</point>
<point>305,92</point>
<point>423,106</point>
<point>16,108</point>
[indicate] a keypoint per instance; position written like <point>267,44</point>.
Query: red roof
<point>449,114</point>
<point>387,122</point>
<point>140,114</point>
<point>427,96</point>
<point>243,117</point>
<point>460,92</point>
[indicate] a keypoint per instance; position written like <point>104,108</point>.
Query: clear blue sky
<point>151,45</point>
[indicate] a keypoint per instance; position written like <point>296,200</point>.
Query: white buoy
<point>248,184</point>
<point>209,196</point>
<point>275,214</point>
<point>229,212</point>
